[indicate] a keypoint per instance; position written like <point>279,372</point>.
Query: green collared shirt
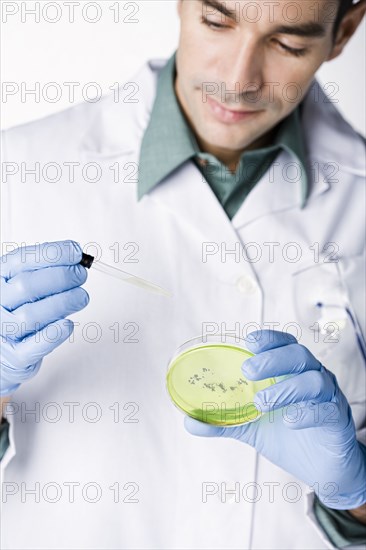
<point>169,141</point>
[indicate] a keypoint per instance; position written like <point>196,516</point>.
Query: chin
<point>218,137</point>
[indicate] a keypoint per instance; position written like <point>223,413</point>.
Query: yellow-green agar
<point>206,383</point>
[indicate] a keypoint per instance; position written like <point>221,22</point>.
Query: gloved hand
<point>36,292</point>
<point>308,429</point>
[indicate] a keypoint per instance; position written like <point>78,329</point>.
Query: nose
<point>245,72</point>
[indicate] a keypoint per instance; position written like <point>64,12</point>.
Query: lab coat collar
<point>329,136</point>
<point>118,124</point>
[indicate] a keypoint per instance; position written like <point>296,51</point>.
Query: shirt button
<point>246,285</point>
<point>202,162</point>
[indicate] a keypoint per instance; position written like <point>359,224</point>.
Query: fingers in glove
<point>244,432</point>
<point>32,317</point>
<point>21,360</point>
<point>291,359</point>
<point>334,416</point>
<point>31,286</point>
<point>48,254</point>
<point>35,347</point>
<point>315,386</point>
<point>263,340</point>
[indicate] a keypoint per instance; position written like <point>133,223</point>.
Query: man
<point>236,145</point>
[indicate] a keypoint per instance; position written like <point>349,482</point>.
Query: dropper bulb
<point>86,260</point>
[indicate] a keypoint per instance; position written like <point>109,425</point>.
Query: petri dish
<point>205,381</point>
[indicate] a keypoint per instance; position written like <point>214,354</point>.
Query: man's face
<point>260,62</point>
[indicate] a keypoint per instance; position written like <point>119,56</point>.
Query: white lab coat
<point>177,481</point>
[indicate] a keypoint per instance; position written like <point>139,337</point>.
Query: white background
<point>108,52</point>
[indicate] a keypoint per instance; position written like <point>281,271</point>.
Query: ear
<point>347,28</point>
<point>179,7</point>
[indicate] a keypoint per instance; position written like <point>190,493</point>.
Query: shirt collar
<point>168,141</point>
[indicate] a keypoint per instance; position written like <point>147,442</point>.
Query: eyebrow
<point>308,29</point>
<point>304,29</point>
<point>219,6</point>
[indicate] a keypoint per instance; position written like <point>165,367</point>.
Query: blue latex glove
<point>313,436</point>
<point>39,287</point>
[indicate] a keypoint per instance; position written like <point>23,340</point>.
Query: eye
<point>212,25</point>
<point>297,52</point>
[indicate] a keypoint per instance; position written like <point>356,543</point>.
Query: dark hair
<point>344,6</point>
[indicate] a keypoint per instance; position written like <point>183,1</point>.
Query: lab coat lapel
<point>190,198</point>
<point>188,195</point>
<point>276,192</point>
<point>272,193</point>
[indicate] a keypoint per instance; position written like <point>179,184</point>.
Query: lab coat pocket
<point>327,300</point>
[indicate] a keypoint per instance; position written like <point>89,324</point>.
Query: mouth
<point>228,115</point>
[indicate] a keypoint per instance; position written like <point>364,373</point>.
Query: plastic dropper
<point>88,262</point>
